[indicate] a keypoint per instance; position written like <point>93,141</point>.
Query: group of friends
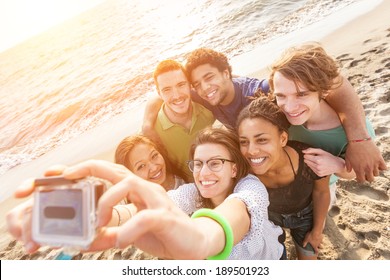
<point>225,164</point>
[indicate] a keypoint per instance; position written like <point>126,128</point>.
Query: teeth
<point>257,160</point>
<point>294,115</point>
<point>211,94</point>
<point>156,176</point>
<point>206,183</point>
<point>178,102</point>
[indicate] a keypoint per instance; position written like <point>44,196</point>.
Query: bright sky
<point>22,19</point>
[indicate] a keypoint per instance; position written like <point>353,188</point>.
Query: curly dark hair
<point>265,108</point>
<point>207,56</point>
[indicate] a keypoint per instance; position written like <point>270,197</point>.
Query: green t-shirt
<point>332,140</point>
<point>177,139</point>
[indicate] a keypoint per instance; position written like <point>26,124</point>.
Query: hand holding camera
<point>64,211</point>
<point>19,219</point>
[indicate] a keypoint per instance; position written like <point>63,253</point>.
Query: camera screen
<point>55,212</point>
<point>61,212</point>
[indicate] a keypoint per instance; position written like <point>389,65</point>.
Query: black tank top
<point>298,194</point>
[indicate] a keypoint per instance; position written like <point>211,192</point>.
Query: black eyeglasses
<point>214,164</point>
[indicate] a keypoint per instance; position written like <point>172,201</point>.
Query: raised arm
<point>152,108</point>
<point>364,156</point>
<point>158,226</point>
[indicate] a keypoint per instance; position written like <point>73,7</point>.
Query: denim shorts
<point>300,224</point>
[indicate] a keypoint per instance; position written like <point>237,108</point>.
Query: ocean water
<point>83,72</point>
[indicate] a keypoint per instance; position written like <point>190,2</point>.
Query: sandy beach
<point>357,228</point>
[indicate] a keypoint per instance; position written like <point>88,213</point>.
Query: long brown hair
<point>229,139</point>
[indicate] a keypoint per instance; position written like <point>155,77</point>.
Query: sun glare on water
<point>21,19</point>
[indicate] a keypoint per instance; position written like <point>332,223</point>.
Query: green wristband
<point>204,212</point>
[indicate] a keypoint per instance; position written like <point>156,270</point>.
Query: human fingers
<point>27,186</point>
<point>98,168</point>
<point>55,170</point>
<point>19,225</point>
<point>29,244</point>
<point>162,232</point>
<point>142,224</point>
<point>109,199</point>
<point>14,219</point>
<point>311,158</point>
<point>308,240</point>
<point>316,243</point>
<point>122,236</point>
<point>314,163</point>
<point>382,165</point>
<point>125,235</point>
<point>305,240</point>
<point>25,189</point>
<point>314,166</point>
<point>369,174</point>
<point>360,174</point>
<point>105,239</point>
<point>315,249</point>
<point>376,170</point>
<point>377,167</point>
<point>312,151</point>
<point>348,166</point>
<point>143,194</point>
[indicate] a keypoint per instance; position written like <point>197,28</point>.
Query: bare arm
<point>235,211</point>
<point>321,200</point>
<point>324,163</point>
<point>363,157</point>
<point>348,106</point>
<point>161,228</point>
<point>152,108</point>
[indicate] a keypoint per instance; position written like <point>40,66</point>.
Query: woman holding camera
<point>225,199</point>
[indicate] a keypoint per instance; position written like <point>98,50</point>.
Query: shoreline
<point>256,62</point>
<point>119,126</point>
<point>358,40</point>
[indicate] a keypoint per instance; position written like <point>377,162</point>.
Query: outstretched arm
<point>363,157</point>
<point>158,227</point>
<point>152,108</point>
<point>161,228</point>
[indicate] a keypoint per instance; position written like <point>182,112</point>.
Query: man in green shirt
<point>179,119</point>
